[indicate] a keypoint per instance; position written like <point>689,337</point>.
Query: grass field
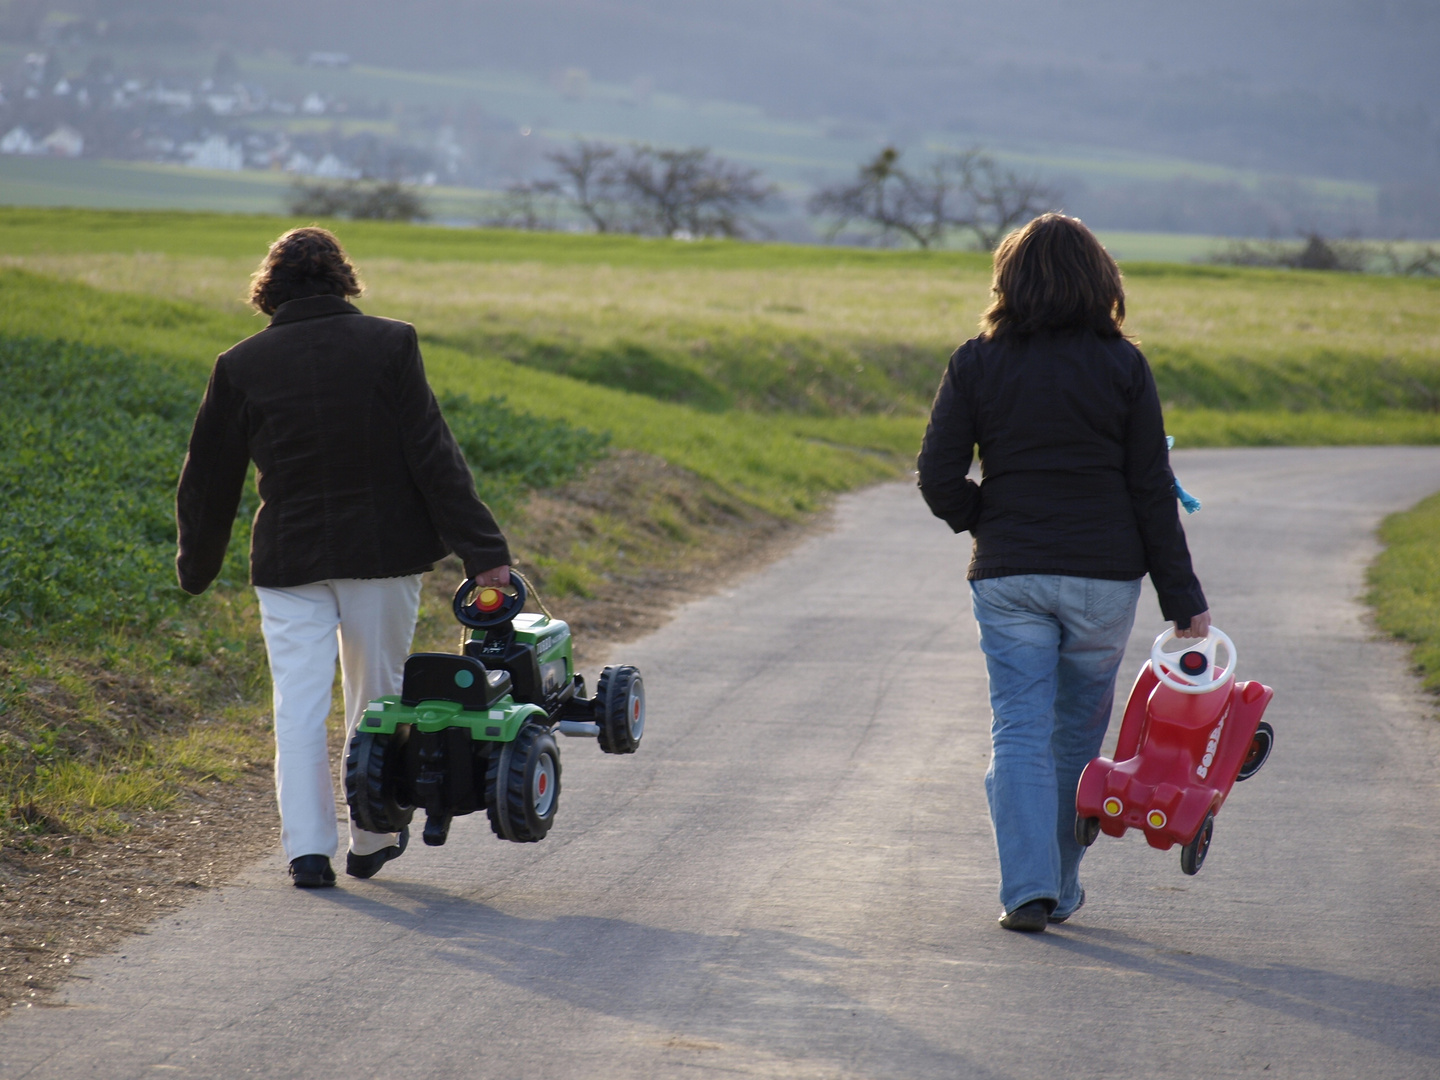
<point>777,376</point>
<point>1405,584</point>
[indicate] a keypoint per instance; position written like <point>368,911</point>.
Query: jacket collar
<point>312,307</point>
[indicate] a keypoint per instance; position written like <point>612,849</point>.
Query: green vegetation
<point>103,660</point>
<point>776,375</point>
<point>1405,584</point>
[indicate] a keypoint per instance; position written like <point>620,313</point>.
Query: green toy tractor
<point>477,729</point>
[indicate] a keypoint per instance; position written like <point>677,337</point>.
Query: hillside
<point>1220,119</point>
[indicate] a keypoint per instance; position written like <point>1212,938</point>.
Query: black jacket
<point>1075,472</point>
<point>359,476</point>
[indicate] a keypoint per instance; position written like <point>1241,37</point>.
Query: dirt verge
<point>613,553</point>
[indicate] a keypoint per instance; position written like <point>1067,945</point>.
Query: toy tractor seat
<point>448,677</point>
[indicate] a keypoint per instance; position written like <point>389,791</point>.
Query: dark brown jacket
<point>359,476</point>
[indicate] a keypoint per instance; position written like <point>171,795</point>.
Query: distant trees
<point>646,191</point>
<point>376,200</point>
<point>591,174</point>
<point>955,193</point>
<point>1316,252</point>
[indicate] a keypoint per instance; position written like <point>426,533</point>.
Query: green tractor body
<point>476,730</point>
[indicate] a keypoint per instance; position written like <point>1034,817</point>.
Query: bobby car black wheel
<point>492,606</point>
<point>620,709</point>
<point>1259,751</point>
<point>1087,830</point>
<point>1192,855</point>
<point>522,786</point>
<point>370,783</point>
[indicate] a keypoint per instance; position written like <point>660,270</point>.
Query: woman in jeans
<point>1075,505</point>
<point>362,489</point>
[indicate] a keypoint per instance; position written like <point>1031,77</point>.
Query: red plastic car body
<point>1177,757</point>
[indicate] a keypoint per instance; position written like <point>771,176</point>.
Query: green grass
<point>104,661</point>
<point>781,375</point>
<point>27,230</point>
<point>1405,584</point>
<point>120,185</point>
<point>744,453</point>
<point>773,328</point>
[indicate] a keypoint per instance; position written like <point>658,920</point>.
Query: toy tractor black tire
<point>1258,753</point>
<point>522,786</point>
<point>1192,855</point>
<point>370,788</point>
<point>1087,830</point>
<point>620,709</point>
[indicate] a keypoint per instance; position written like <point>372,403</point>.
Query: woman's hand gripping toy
<point>1190,732</point>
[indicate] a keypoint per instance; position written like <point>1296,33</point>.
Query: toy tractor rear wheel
<point>370,783</point>
<point>1087,830</point>
<point>620,709</point>
<point>1259,751</point>
<point>522,786</point>
<point>1192,855</point>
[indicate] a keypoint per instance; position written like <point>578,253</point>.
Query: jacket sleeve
<point>1152,494</point>
<point>947,451</point>
<point>439,470</point>
<point>211,481</point>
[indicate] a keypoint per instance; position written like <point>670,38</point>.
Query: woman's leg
<point>377,624</point>
<point>1020,637</point>
<point>1096,617</point>
<point>299,625</point>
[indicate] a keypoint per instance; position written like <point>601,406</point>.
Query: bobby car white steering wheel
<point>1193,670</point>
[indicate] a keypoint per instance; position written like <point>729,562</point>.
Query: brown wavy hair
<point>304,262</point>
<point>1052,274</point>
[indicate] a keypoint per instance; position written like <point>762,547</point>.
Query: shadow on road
<point>1402,1018</point>
<point>777,993</point>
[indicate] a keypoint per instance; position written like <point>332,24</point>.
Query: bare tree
<point>1000,198</point>
<point>882,194</point>
<point>593,174</point>
<point>953,193</point>
<point>528,204</point>
<point>678,192</point>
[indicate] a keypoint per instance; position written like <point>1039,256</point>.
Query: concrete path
<point>795,876</point>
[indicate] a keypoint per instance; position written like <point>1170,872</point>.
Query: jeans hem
<point>1049,901</point>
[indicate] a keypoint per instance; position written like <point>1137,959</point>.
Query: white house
<point>18,141</point>
<point>216,152</point>
<point>64,141</point>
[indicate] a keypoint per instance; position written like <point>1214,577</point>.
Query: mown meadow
<point>775,376</point>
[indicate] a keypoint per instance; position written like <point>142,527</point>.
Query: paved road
<point>795,876</point>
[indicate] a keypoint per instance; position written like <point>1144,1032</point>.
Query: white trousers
<point>369,622</point>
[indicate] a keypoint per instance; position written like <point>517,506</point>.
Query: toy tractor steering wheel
<point>492,606</point>
<point>1193,671</point>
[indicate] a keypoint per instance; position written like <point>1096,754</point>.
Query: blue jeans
<point>1053,647</point>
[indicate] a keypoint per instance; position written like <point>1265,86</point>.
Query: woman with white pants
<point>362,489</point>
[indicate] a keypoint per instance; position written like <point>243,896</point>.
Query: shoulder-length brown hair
<point>1053,274</point>
<point>304,262</point>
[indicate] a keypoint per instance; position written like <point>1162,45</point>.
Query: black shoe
<point>1028,918</point>
<point>366,866</point>
<point>437,828</point>
<point>1077,907</point>
<point>312,872</point>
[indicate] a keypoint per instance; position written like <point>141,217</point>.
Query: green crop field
<point>777,375</point>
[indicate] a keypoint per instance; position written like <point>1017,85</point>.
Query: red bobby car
<point>1190,731</point>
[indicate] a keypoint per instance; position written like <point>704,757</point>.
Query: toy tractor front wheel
<point>620,709</point>
<point>522,786</point>
<point>1192,855</point>
<point>370,783</point>
<point>1087,830</point>
<point>1259,751</point>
